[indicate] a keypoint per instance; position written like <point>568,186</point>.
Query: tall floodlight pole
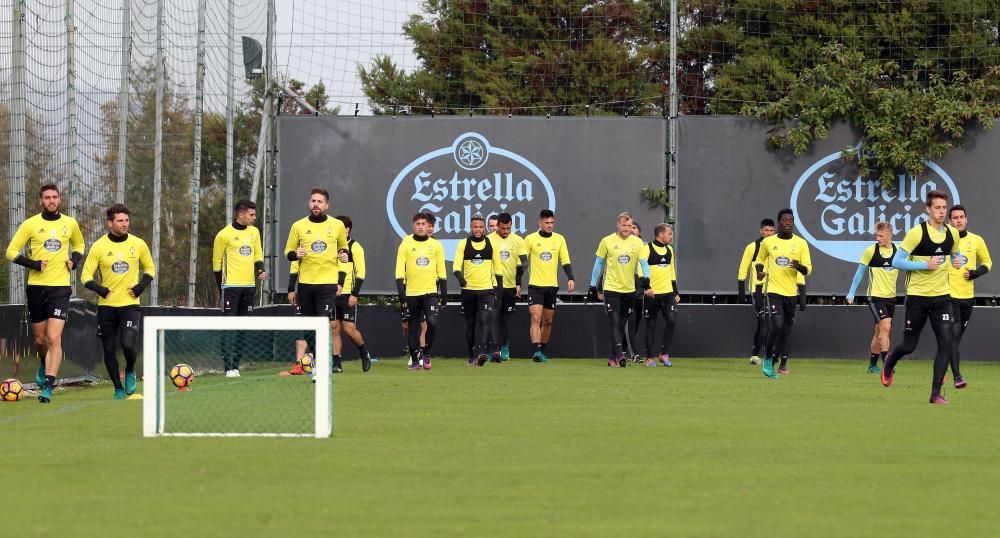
<point>72,161</point>
<point>271,161</point>
<point>672,138</point>
<point>18,146</point>
<point>230,82</point>
<point>161,68</point>
<point>199,105</point>
<point>123,99</point>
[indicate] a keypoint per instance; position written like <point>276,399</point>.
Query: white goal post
<point>160,396</point>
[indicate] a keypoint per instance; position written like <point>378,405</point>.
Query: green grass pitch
<point>571,448</point>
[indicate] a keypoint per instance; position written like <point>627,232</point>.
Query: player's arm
<point>859,275</point>
<point>148,271</point>
<point>902,258</point>
<point>743,271</point>
<point>358,253</point>
<point>218,251</point>
<point>293,281</point>
<point>595,274</point>
<point>497,272</point>
<point>985,262</point>
<point>87,274</point>
<point>442,273</point>
<point>292,247</point>
<point>458,264</point>
<point>76,246</point>
<point>804,264</point>
<point>760,262</point>
<point>15,247</point>
<point>567,266</point>
<point>401,271</point>
<point>258,257</point>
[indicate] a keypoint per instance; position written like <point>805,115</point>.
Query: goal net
<point>190,388</point>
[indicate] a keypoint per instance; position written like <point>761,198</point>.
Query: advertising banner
<point>381,171</point>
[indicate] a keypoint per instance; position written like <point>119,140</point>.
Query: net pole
<point>672,138</point>
<point>230,82</point>
<point>73,175</point>
<point>270,118</point>
<point>161,68</point>
<point>18,146</point>
<point>123,99</point>
<point>199,105</point>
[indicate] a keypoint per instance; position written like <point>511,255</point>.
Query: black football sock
<point>882,355</point>
<point>361,350</point>
<point>50,381</point>
<point>873,360</point>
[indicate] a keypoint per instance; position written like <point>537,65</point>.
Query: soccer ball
<point>11,390</point>
<point>182,375</point>
<point>306,362</point>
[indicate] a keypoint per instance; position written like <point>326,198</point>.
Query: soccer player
<point>430,221</point>
<point>781,259</point>
<point>238,263</point>
<point>972,262</point>
<point>352,263</point>
<point>54,248</point>
<point>662,296</point>
<point>546,251</point>
<point>119,258</point>
<point>620,253</point>
<point>422,284</point>
<point>479,271</point>
<point>492,224</point>
<point>513,259</point>
<point>882,276</point>
<point>631,340</point>
<point>745,275</point>
<point>315,242</point>
<point>922,253</point>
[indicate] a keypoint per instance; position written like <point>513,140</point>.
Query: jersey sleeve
<point>90,265</point>
<point>218,248</point>
<point>293,268</point>
<point>983,254</point>
<point>457,263</point>
<point>258,248</point>
<point>563,252</point>
<point>17,242</point>
<point>76,241</point>
<point>866,256</point>
<point>744,269</point>
<point>954,244</point>
<point>146,261</point>
<point>522,248</point>
<point>602,249</point>
<point>764,252</point>
<point>912,239</point>
<point>358,252</point>
<point>442,269</point>
<point>401,261</point>
<point>342,238</point>
<point>672,268</point>
<point>806,259</point>
<point>293,240</point>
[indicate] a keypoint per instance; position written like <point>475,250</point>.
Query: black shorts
<point>317,300</point>
<point>114,319</point>
<point>344,311</point>
<point>782,305</point>
<point>882,307</point>
<point>962,309</point>
<point>919,309</point>
<point>508,300</point>
<point>543,295</point>
<point>623,303</point>
<point>237,301</point>
<point>660,303</point>
<point>422,307</point>
<point>475,300</point>
<point>46,302</point>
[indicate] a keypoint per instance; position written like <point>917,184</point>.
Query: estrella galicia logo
<point>545,256</point>
<point>318,246</point>
<point>504,255</point>
<point>836,210</point>
<point>467,177</point>
<point>624,259</point>
<point>423,261</point>
<point>52,245</point>
<point>246,251</point>
<point>782,261</point>
<point>120,267</point>
<point>962,259</point>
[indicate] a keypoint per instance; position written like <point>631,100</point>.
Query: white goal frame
<point>155,378</point>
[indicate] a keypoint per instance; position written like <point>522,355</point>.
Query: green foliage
<point>657,198</point>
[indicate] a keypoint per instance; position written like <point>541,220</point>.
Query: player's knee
<point>128,340</point>
<point>40,340</point>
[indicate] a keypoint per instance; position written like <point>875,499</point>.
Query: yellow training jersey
<point>972,254</point>
<point>882,275</point>
<point>234,254</point>
<point>621,257</point>
<point>322,241</point>
<point>478,261</point>
<point>746,272</point>
<point>355,266</point>
<point>120,265</point>
<point>545,256</point>
<point>777,254</point>
<point>662,267</point>
<point>923,242</point>
<point>511,249</point>
<point>420,264</point>
<point>51,241</point>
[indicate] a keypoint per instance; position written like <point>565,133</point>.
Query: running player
<point>546,251</point>
<point>238,263</point>
<point>314,242</point>
<point>479,271</point>
<point>781,259</point>
<point>421,281</point>
<point>922,253</point>
<point>117,258</point>
<point>620,253</point>
<point>744,275</point>
<point>513,259</point>
<point>352,263</point>
<point>972,262</point>
<point>662,296</point>
<point>882,276</point>
<point>54,248</point>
